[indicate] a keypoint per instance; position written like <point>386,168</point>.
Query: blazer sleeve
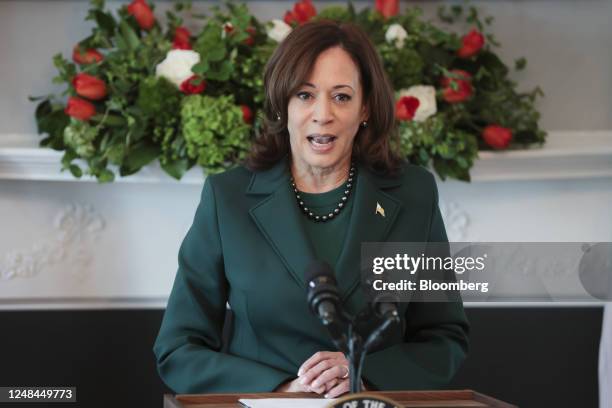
<point>188,346</point>
<point>436,337</point>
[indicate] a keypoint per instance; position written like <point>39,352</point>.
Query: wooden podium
<point>421,399</point>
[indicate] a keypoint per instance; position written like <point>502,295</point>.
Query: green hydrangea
<point>451,151</point>
<point>158,98</point>
<point>404,65</point>
<point>80,136</point>
<point>214,131</point>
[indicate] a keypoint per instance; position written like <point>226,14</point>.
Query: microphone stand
<point>357,349</point>
<point>343,328</point>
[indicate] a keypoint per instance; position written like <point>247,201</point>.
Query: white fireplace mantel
<point>565,155</point>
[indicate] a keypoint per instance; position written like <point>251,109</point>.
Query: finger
<point>331,384</point>
<point>338,390</point>
<point>299,387</point>
<point>337,371</point>
<point>310,375</point>
<point>315,359</point>
<point>325,387</point>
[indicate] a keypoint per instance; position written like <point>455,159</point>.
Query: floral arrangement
<point>139,90</point>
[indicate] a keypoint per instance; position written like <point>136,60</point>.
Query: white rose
<point>426,95</point>
<point>278,30</point>
<point>396,34</point>
<point>177,66</point>
<point>227,27</point>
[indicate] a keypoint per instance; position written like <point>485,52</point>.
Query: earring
<point>278,116</point>
<point>364,124</point>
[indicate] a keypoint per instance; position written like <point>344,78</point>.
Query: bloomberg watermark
<point>488,271</point>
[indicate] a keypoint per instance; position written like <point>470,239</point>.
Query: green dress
<point>327,238</point>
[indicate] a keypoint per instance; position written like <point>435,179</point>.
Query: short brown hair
<point>376,145</point>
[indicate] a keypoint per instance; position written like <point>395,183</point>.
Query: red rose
<point>302,12</point>
<point>472,43</point>
<point>88,56</point>
<point>190,87</point>
<point>388,8</point>
<point>247,114</point>
<point>406,107</point>
<point>182,39</point>
<point>79,108</point>
<point>290,18</point>
<point>142,13</point>
<point>464,87</point>
<point>251,40</point>
<point>89,86</point>
<point>496,136</point>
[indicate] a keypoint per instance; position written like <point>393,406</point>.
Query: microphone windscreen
<point>317,269</point>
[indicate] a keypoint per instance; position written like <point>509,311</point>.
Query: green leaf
<point>98,4</point>
<point>129,35</point>
<point>115,154</point>
<point>351,10</point>
<point>201,67</point>
<point>137,157</point>
<point>216,54</point>
<point>491,39</point>
<point>180,5</point>
<point>462,162</point>
<point>43,109</point>
<point>106,176</point>
<point>457,10</point>
<point>106,22</point>
<point>176,168</point>
<point>67,158</point>
<point>109,120</point>
<point>520,63</point>
<point>76,171</point>
<point>52,122</point>
<point>38,98</point>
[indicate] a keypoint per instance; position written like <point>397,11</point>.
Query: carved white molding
<point>566,155</point>
<point>456,221</point>
<point>71,244</point>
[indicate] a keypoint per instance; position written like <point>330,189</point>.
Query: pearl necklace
<point>339,207</point>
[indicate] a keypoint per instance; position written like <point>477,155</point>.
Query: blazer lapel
<point>279,219</point>
<point>365,225</point>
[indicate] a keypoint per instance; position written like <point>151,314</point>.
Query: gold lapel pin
<point>379,209</point>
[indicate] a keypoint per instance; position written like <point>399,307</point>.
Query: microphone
<point>323,297</point>
<point>385,307</point>
<point>324,302</point>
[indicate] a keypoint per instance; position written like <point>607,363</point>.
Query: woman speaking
<point>323,177</point>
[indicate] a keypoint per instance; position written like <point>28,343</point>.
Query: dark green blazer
<point>246,247</point>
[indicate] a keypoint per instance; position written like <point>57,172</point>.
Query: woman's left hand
<point>326,372</point>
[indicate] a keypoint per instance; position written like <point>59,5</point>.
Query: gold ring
<point>347,372</point>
